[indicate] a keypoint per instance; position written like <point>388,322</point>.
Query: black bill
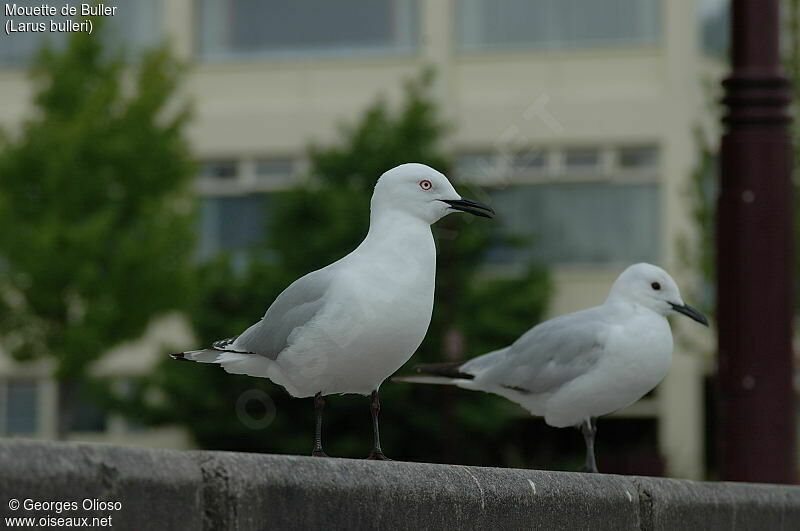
<point>472,207</point>
<point>690,312</point>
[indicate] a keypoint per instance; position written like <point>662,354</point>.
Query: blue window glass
<point>134,25</point>
<point>21,407</point>
<point>488,24</point>
<point>232,223</point>
<point>591,223</point>
<point>88,416</point>
<point>252,28</point>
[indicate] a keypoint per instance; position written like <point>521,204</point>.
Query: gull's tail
<point>448,373</point>
<point>208,355</point>
<point>238,362</point>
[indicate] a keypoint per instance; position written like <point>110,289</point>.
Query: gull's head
<point>423,192</point>
<point>653,288</point>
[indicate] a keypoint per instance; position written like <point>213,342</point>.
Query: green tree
<point>312,226</point>
<point>96,230</point>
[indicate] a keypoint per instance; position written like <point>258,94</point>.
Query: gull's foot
<point>319,453</point>
<point>377,455</point>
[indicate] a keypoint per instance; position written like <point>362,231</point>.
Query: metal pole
<point>755,255</point>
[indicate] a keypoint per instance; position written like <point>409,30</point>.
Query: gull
<point>583,365</point>
<point>347,327</point>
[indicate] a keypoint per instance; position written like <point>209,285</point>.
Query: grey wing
<point>294,307</point>
<point>552,353</point>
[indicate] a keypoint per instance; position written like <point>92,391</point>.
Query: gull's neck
<point>626,304</point>
<point>398,230</point>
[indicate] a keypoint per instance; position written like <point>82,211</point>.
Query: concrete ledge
<point>161,489</point>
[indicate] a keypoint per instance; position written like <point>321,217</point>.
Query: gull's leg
<point>375,408</point>
<point>589,430</point>
<point>319,405</point>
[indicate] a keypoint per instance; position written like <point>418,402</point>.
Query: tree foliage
<point>312,226</point>
<point>96,231</point>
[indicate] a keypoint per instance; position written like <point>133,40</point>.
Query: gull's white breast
<point>377,313</point>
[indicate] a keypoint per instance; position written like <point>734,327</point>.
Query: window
<point>18,49</point>
<point>248,28</point>
<point>578,222</point>
<point>487,24</point>
<point>275,168</point>
<point>714,17</point>
<point>21,407</point>
<point>135,25</point>
<point>232,223</point>
<point>571,205</point>
<point>475,165</point>
<point>530,162</point>
<point>219,169</point>
<point>88,416</point>
<point>582,160</point>
<point>638,158</point>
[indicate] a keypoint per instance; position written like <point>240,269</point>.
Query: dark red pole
<point>754,256</point>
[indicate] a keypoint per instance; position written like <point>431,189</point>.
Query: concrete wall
<point>163,489</point>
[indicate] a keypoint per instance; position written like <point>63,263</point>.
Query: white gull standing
<point>347,327</point>
<point>577,367</point>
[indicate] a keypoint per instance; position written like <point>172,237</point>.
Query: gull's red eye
<point>425,184</point>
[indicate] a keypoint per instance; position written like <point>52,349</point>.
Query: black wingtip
<point>448,369</point>
<point>517,389</point>
<point>180,356</point>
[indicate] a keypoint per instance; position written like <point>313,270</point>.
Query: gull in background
<point>347,327</point>
<point>577,367</point>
